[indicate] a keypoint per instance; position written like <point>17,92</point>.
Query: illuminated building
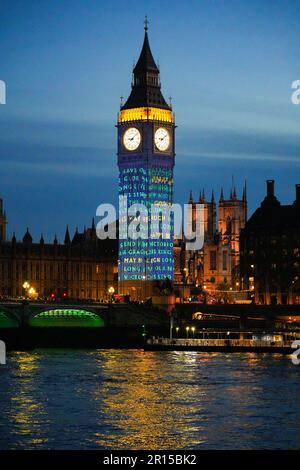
<point>82,267</point>
<point>216,265</point>
<point>270,251</point>
<point>146,160</point>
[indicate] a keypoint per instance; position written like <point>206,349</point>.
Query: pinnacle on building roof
<point>27,237</point>
<point>67,239</point>
<point>221,195</point>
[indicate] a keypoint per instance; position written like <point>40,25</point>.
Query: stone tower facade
<point>216,265</point>
<point>146,154</point>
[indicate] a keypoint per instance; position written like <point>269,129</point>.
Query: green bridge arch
<point>8,319</point>
<point>66,317</point>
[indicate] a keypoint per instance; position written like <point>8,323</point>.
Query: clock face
<point>132,138</point>
<point>162,139</point>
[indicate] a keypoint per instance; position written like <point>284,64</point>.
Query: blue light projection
<point>151,256</point>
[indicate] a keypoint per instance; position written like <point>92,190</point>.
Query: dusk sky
<point>228,66</point>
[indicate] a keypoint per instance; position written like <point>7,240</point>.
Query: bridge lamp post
<point>26,286</point>
<point>111,292</point>
<point>193,331</point>
<point>177,330</point>
<point>187,331</point>
<point>32,292</point>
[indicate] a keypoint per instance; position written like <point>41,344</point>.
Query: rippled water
<point>130,399</point>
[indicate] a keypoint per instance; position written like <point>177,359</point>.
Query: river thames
<point>130,399</point>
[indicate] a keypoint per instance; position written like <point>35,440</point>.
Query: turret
<point>27,237</point>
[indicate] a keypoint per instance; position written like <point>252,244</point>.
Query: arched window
<point>228,225</point>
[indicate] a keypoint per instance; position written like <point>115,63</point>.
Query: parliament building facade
<point>82,267</point>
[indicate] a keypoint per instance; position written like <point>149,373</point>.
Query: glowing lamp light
<point>32,292</point>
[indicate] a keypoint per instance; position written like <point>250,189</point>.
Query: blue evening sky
<point>228,65</point>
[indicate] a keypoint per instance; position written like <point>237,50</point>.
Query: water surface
<point>130,399</point>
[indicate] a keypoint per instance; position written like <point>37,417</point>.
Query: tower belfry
<point>146,153</point>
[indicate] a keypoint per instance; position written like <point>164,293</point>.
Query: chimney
<point>298,194</point>
<point>270,188</point>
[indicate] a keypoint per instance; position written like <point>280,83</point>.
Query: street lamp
<point>177,330</point>
<point>193,331</point>
<point>187,331</point>
<point>111,291</point>
<point>26,286</point>
<point>32,292</point>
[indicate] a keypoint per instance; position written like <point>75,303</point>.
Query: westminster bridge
<point>25,313</point>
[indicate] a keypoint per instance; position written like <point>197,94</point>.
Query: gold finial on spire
<point>146,23</point>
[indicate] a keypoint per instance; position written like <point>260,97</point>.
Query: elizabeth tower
<point>146,154</point>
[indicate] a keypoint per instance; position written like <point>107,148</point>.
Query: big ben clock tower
<point>146,152</point>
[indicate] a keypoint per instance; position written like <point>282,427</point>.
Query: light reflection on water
<point>64,399</point>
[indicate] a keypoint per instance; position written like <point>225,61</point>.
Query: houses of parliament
<point>82,267</point>
<point>85,267</point>
<point>260,256</point>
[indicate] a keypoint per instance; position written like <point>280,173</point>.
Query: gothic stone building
<point>83,267</point>
<point>270,251</point>
<point>216,265</point>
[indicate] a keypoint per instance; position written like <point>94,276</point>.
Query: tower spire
<point>146,23</point>
<point>233,189</point>
<point>146,90</point>
<point>221,195</point>
<point>67,239</point>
